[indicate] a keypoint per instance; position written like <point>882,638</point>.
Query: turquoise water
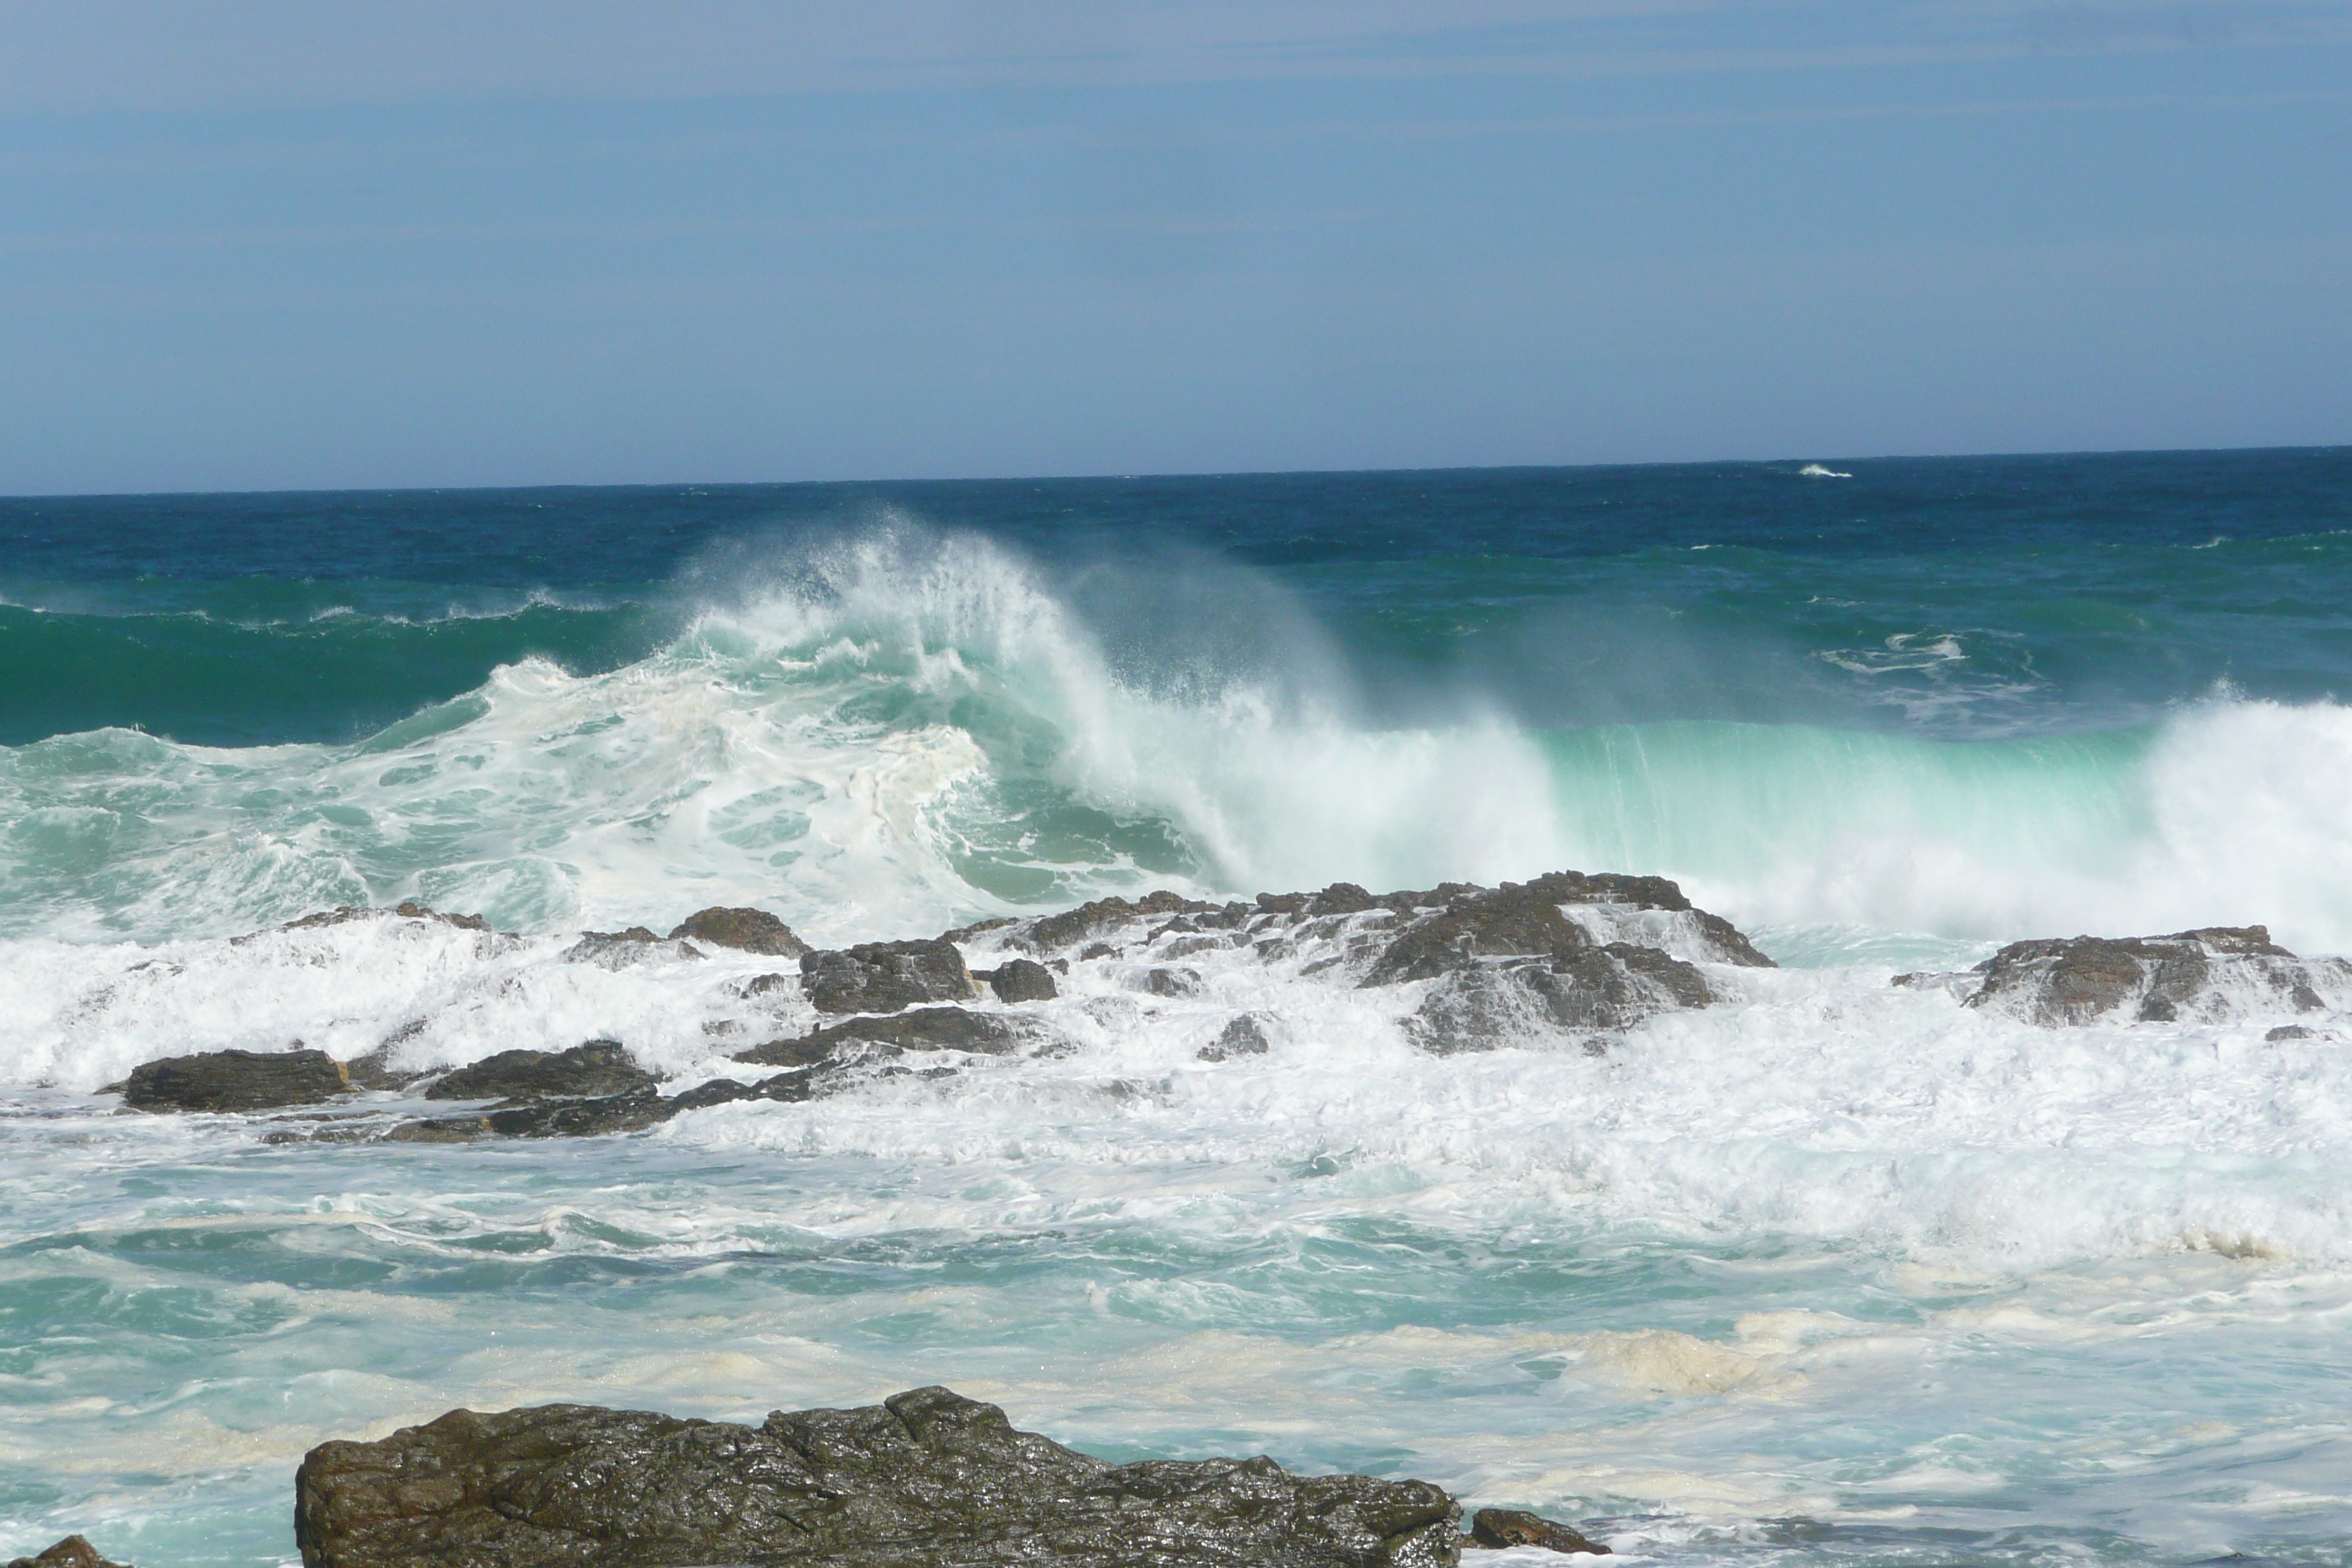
<point>1833,1273</point>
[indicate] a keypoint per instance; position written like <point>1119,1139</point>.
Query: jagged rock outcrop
<point>598,1068</point>
<point>408,909</point>
<point>235,1080</point>
<point>885,976</point>
<point>926,1477</point>
<point>2208,975</point>
<point>1499,1528</point>
<point>73,1551</point>
<point>1587,995</point>
<point>746,931</point>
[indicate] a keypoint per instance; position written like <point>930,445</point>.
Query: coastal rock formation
<point>599,1067</point>
<point>1242,1036</point>
<point>746,931</point>
<point>926,1477</point>
<point>1497,1528</point>
<point>73,1551</point>
<point>885,976</point>
<point>2208,975</point>
<point>235,1080</point>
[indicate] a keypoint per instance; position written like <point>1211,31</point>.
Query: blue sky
<point>248,245</point>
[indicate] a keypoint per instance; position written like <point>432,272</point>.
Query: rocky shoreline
<point>925,1477</point>
<point>1566,959</point>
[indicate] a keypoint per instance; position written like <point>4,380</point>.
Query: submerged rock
<point>626,1113</point>
<point>407,911</point>
<point>1244,1035</point>
<point>1590,994</point>
<point>620,949</point>
<point>2207,975</point>
<point>926,1478</point>
<point>885,976</point>
<point>747,931</point>
<point>599,1067</point>
<point>1496,1528</point>
<point>235,1080</point>
<point>73,1551</point>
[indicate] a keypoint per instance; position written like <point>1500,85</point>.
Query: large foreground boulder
<point>925,1479</point>
<point>2209,976</point>
<point>235,1080</point>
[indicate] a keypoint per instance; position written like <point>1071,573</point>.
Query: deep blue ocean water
<point>1838,1274</point>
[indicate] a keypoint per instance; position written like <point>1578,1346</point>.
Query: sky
<point>250,245</point>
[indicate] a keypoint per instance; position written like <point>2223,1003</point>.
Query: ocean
<point>1832,1272</point>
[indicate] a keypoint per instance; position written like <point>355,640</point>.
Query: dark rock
<point>1510,921</point>
<point>626,1113</point>
<point>1172,982</point>
<point>235,1080</point>
<point>1022,980</point>
<point>794,1087</point>
<point>978,929</point>
<point>2287,1032</point>
<point>1495,1528</point>
<point>918,1029</point>
<point>600,1068</point>
<point>1102,915</point>
<point>73,1551</point>
<point>885,976</point>
<point>2206,975</point>
<point>1244,1036</point>
<point>747,931</point>
<point>761,984</point>
<point>1097,950</point>
<point>1588,993</point>
<point>926,1477</point>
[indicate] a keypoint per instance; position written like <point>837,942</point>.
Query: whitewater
<point>1834,1270</point>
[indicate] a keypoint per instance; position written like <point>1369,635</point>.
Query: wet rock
<point>620,949</point>
<point>1101,916</point>
<point>628,1112</point>
<point>1510,921</point>
<point>1588,994</point>
<point>1022,980</point>
<point>917,1030</point>
<point>763,984</point>
<point>73,1551</point>
<point>2287,1032</point>
<point>885,976</point>
<point>746,931</point>
<point>407,911</point>
<point>600,1068</point>
<point>1244,1035</point>
<point>235,1080</point>
<point>792,1087</point>
<point>2207,975</point>
<point>1495,1528</point>
<point>1173,982</point>
<point>926,1477</point>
